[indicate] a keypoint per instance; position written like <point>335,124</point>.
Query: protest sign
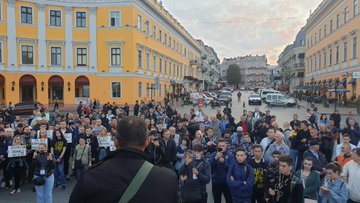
<point>104,141</point>
<point>36,142</point>
<point>17,151</point>
<point>68,137</point>
<point>112,146</point>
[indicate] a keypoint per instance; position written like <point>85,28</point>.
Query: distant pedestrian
<point>56,105</point>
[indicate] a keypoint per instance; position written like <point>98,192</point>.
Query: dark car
<point>27,108</point>
<point>224,99</point>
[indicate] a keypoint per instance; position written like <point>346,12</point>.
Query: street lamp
<point>336,95</point>
<point>203,70</point>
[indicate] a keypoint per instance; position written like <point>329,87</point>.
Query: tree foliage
<point>233,75</point>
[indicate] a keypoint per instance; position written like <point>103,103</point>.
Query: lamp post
<point>203,70</point>
<point>336,95</point>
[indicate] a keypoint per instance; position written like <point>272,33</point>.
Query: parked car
<point>273,96</point>
<point>282,101</point>
<point>224,99</point>
<point>254,99</point>
<point>27,108</point>
<point>264,92</point>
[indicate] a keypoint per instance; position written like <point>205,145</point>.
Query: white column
<point>11,34</point>
<point>41,38</point>
<point>68,39</point>
<point>93,44</point>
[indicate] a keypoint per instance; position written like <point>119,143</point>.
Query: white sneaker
<point>18,190</point>
<point>2,184</point>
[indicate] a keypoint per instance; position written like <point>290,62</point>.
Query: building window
<point>55,18</point>
<point>165,38</point>
<point>345,51</point>
<point>324,59</point>
<point>319,34</point>
<point>27,54</point>
<point>346,14</point>
<point>319,61</point>
<point>139,25</point>
<point>81,56</point>
<point>170,42</point>
<point>116,89</point>
<point>56,56</point>
<point>140,90</point>
<point>160,65</point>
<point>325,30</point>
<point>116,56</point>
<point>166,71</point>
<point>356,7</point>
<point>26,15</point>
<point>170,68</point>
<point>114,18</point>
<point>154,32</point>
<point>148,61</point>
<point>147,25</point>
<point>354,53</point>
<point>80,19</point>
<point>160,36</point>
<point>330,57</point>
<point>337,54</point>
<point>337,21</point>
<point>147,90</point>
<point>154,58</point>
<point>140,58</point>
<point>331,26</point>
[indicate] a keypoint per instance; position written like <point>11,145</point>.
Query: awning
<point>300,75</point>
<point>352,81</point>
<point>82,80</point>
<point>27,79</point>
<point>56,80</point>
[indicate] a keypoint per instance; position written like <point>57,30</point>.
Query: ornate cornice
<point>93,10</point>
<point>57,42</point>
<point>22,39</point>
<point>68,10</point>
<point>41,7</point>
<point>115,43</point>
<point>10,3</point>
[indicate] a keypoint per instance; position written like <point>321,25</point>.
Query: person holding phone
<point>220,162</point>
<point>44,166</point>
<point>334,189</point>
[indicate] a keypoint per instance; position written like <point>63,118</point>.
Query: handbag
<point>78,162</point>
<point>39,180</point>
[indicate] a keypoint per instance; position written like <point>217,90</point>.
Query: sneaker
<point>13,192</point>
<point>2,184</point>
<point>18,191</point>
<point>7,186</point>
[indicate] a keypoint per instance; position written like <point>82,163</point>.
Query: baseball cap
<point>239,129</point>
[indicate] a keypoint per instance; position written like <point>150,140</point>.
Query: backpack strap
<point>136,183</point>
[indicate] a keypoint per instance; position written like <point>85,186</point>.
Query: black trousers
<point>258,196</point>
<point>6,173</point>
<point>218,190</point>
<point>67,159</point>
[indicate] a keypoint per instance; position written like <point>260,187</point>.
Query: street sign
<point>157,83</point>
<point>356,75</point>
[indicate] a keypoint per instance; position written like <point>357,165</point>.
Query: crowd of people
<point>254,159</point>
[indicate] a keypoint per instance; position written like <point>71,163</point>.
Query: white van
<point>264,92</point>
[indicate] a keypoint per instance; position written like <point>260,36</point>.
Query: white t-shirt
<point>352,171</point>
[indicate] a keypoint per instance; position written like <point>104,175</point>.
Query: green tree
<point>233,75</point>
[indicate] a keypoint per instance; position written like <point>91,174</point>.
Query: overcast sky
<point>243,27</point>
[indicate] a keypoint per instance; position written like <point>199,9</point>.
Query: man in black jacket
<point>107,181</point>
<point>169,157</point>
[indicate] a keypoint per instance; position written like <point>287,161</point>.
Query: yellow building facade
<point>332,47</point>
<point>116,51</point>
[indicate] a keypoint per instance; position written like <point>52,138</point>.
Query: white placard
<point>17,151</point>
<point>68,137</point>
<point>356,75</point>
<point>112,146</point>
<point>104,141</point>
<point>36,142</point>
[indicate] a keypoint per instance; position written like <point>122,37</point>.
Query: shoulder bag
<point>78,162</point>
<point>136,183</point>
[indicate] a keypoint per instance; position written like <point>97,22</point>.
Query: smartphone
<point>220,149</point>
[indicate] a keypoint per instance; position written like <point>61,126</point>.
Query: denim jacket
<point>338,191</point>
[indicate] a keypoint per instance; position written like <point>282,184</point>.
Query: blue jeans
<point>241,200</point>
<point>44,192</point>
<point>294,156</point>
<point>59,173</point>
